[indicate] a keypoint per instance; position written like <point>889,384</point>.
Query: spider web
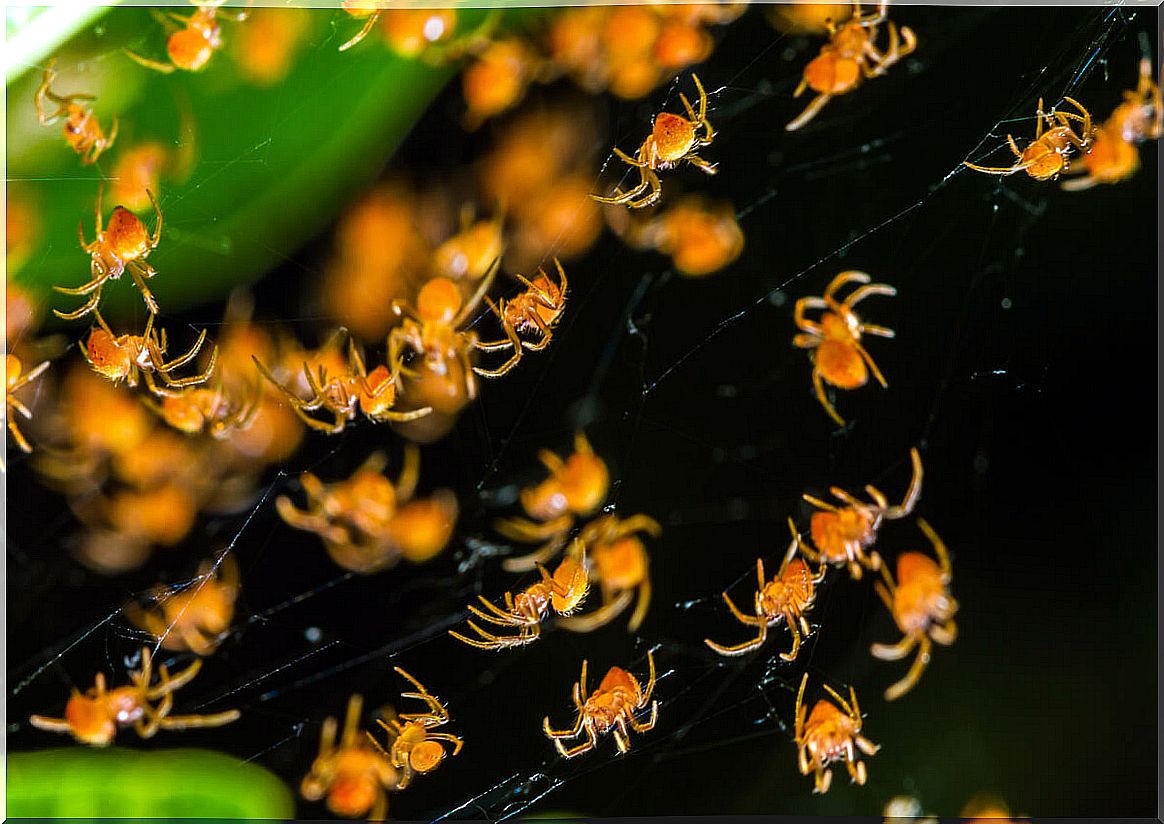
<point>694,395</point>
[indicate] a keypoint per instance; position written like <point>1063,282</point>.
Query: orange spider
<point>469,254</point>
<point>497,80</point>
<point>576,487</point>
<point>849,57</point>
<point>199,410</point>
<point>367,523</point>
<point>533,312</point>
<point>838,357</point>
<point>197,618</point>
<point>701,237</point>
<point>830,735</point>
<point>428,33</point>
<point>1114,156</point>
<point>343,395</point>
<point>617,561</point>
<point>922,607</point>
<point>192,41</point>
<point>369,11</point>
<point>356,775</point>
<point>673,139</point>
<point>1048,155</point>
<point>14,381</point>
<point>842,534</point>
<point>611,709</point>
<point>413,748</point>
<point>93,717</point>
<point>82,131</point>
<point>122,247</point>
<point>564,592</point>
<point>789,595</point>
<point>125,357</point>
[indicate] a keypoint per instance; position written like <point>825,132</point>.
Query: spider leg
<point>915,672</point>
<point>644,603</point>
<point>863,292</point>
<point>789,619</point>
<point>190,722</point>
<point>590,743</point>
<point>571,733</point>
<point>362,33</point>
<point>944,634</point>
<point>508,366</point>
<point>818,383</point>
<point>170,683</point>
<point>547,333</point>
<point>646,726</point>
<point>701,164</point>
<point>742,617</point>
<point>810,112</point>
<point>599,617</point>
<point>135,271</point>
<point>156,65</point>
<point>745,647</point>
<point>895,652</point>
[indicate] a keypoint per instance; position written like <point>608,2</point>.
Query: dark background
<point>1024,369</point>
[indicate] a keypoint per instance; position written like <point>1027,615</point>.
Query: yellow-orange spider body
<point>94,717</point>
<point>127,357</point>
<point>199,410</point>
<point>82,131</point>
<point>674,139</point>
<point>15,379</point>
<point>831,733</point>
<point>843,535</point>
<point>787,597</point>
<point>922,607</point>
<point>610,709</point>
<point>1048,155</point>
<point>577,486</point>
<point>850,57</point>
<point>193,41</point>
<point>563,592</point>
<point>469,254</point>
<point>838,357</point>
<point>196,618</point>
<point>413,748</point>
<point>533,312</point>
<point>367,522</point>
<point>618,563</point>
<point>355,776</point>
<point>120,247</point>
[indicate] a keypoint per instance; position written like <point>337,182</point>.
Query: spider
<point>356,775</point>
<point>1113,156</point>
<point>193,42</point>
<point>198,410</point>
<point>838,357</point>
<point>469,254</point>
<point>789,595</point>
<point>842,534</point>
<point>93,717</point>
<point>563,592</point>
<point>850,56</point>
<point>829,735</point>
<point>370,10</point>
<point>343,395</point>
<point>196,618</point>
<point>14,381</point>
<point>673,139</point>
<point>413,748</point>
<point>124,357</point>
<point>82,131</point>
<point>618,562</point>
<point>367,522</point>
<point>577,486</point>
<point>122,247</point>
<point>922,607</point>
<point>1047,155</point>
<point>533,312</point>
<point>611,708</point>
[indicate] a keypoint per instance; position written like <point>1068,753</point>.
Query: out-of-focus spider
<point>838,357</point>
<point>1048,155</point>
<point>82,131</point>
<point>469,254</point>
<point>842,535</point>
<point>93,717</point>
<point>344,395</point>
<point>123,246</point>
<point>533,312</point>
<point>432,330</point>
<point>1114,155</point>
<point>198,410</point>
<point>617,562</point>
<point>563,592</point>
<point>367,522</point>
<point>125,357</point>
<point>14,381</point>
<point>576,487</point>
<point>196,618</point>
<point>673,139</point>
<point>849,57</point>
<point>787,597</point>
<point>413,748</point>
<point>193,40</point>
<point>922,607</point>
<point>610,709</point>
<point>832,733</point>
<point>356,775</point>
<point>367,10</point>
